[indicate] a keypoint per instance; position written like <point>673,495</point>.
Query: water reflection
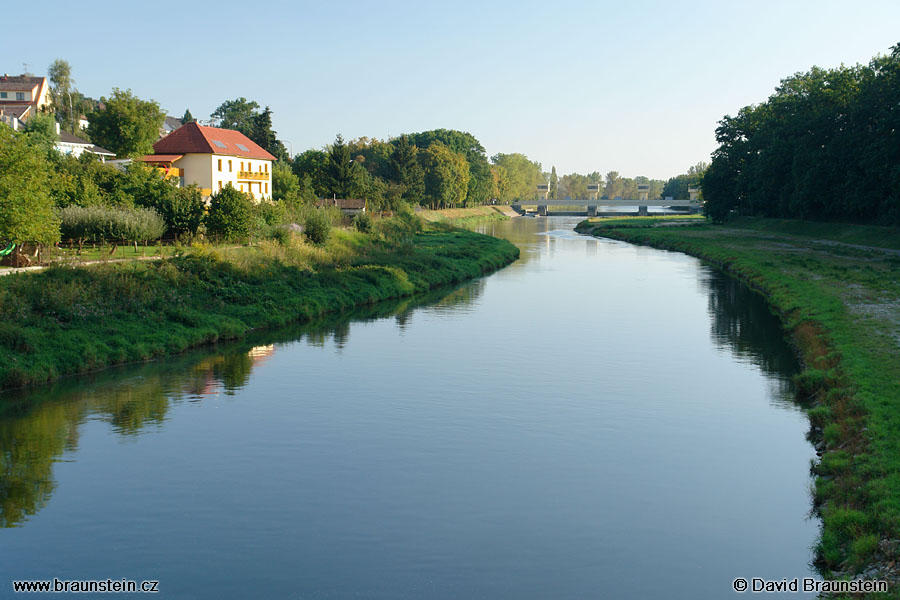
<point>39,426</point>
<point>742,322</point>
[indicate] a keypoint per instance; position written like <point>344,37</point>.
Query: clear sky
<point>633,86</point>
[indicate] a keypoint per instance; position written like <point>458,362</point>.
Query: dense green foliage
<point>109,224</point>
<point>439,169</point>
<point>66,320</point>
<point>317,227</point>
<point>67,102</point>
<point>677,187</point>
<point>26,208</point>
<point>245,116</point>
<point>824,146</point>
<point>125,124</point>
<point>840,300</point>
<point>230,215</point>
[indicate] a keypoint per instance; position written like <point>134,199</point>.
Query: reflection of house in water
<point>229,372</point>
<point>261,354</point>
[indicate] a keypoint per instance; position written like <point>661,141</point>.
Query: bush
<point>182,210</point>
<point>271,213</point>
<point>230,215</point>
<point>102,224</point>
<point>363,222</point>
<point>317,227</point>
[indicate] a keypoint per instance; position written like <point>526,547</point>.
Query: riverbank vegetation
<point>73,319</point>
<point>824,146</point>
<point>840,298</point>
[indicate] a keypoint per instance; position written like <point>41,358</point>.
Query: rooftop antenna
<point>25,66</point>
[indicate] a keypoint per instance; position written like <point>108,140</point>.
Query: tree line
<point>824,146</point>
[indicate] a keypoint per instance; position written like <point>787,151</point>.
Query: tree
<point>230,214</point>
<point>312,164</point>
<point>187,117</point>
<point>285,185</point>
<point>60,74</point>
<point>406,170</point>
<point>26,209</point>
<point>40,130</point>
<point>501,184</point>
<point>126,124</point>
<point>522,175</point>
<point>554,183</point>
<point>344,176</point>
<point>478,190</point>
<point>446,176</point>
<point>263,134</point>
<point>238,114</point>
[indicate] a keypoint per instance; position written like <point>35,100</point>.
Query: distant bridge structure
<point>592,205</point>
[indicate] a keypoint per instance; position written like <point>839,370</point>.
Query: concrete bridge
<point>592,207</point>
<point>543,205</point>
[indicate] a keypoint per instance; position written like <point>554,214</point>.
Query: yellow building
<point>213,158</point>
<point>21,96</point>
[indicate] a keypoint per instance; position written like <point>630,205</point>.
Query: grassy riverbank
<point>468,217</point>
<point>841,301</point>
<point>73,319</point>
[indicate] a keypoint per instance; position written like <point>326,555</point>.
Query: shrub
<point>317,227</point>
<point>363,222</point>
<point>230,214</point>
<point>104,224</point>
<point>182,209</point>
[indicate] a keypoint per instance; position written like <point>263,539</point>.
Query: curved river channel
<point>598,420</point>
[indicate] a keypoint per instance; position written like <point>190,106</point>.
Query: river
<point>598,420</point>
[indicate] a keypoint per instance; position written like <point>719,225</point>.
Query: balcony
<point>252,175</point>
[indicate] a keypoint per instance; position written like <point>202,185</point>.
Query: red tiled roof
<point>194,138</point>
<point>161,158</point>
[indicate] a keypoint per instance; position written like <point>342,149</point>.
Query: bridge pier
<point>542,210</point>
<point>591,211</point>
<point>642,211</point>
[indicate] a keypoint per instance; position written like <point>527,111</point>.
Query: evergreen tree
<point>554,183</point>
<point>187,117</point>
<point>406,170</point>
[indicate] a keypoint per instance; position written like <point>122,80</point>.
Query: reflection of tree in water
<point>28,447</point>
<point>38,425</point>
<point>743,323</point>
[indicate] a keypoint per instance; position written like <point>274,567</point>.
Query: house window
<point>220,186</point>
<point>267,188</point>
<point>242,166</point>
<point>2,94</point>
<point>20,95</point>
<point>267,167</point>
<point>229,166</point>
<point>220,164</point>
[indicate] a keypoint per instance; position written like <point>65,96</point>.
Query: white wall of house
<point>212,172</point>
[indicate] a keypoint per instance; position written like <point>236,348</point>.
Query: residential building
<point>169,125</point>
<point>22,96</point>
<point>74,145</point>
<point>213,158</point>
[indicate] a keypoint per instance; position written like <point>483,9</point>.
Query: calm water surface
<point>597,420</point>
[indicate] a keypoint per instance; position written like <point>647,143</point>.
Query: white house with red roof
<point>213,158</point>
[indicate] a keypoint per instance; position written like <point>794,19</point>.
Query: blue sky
<point>634,86</point>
